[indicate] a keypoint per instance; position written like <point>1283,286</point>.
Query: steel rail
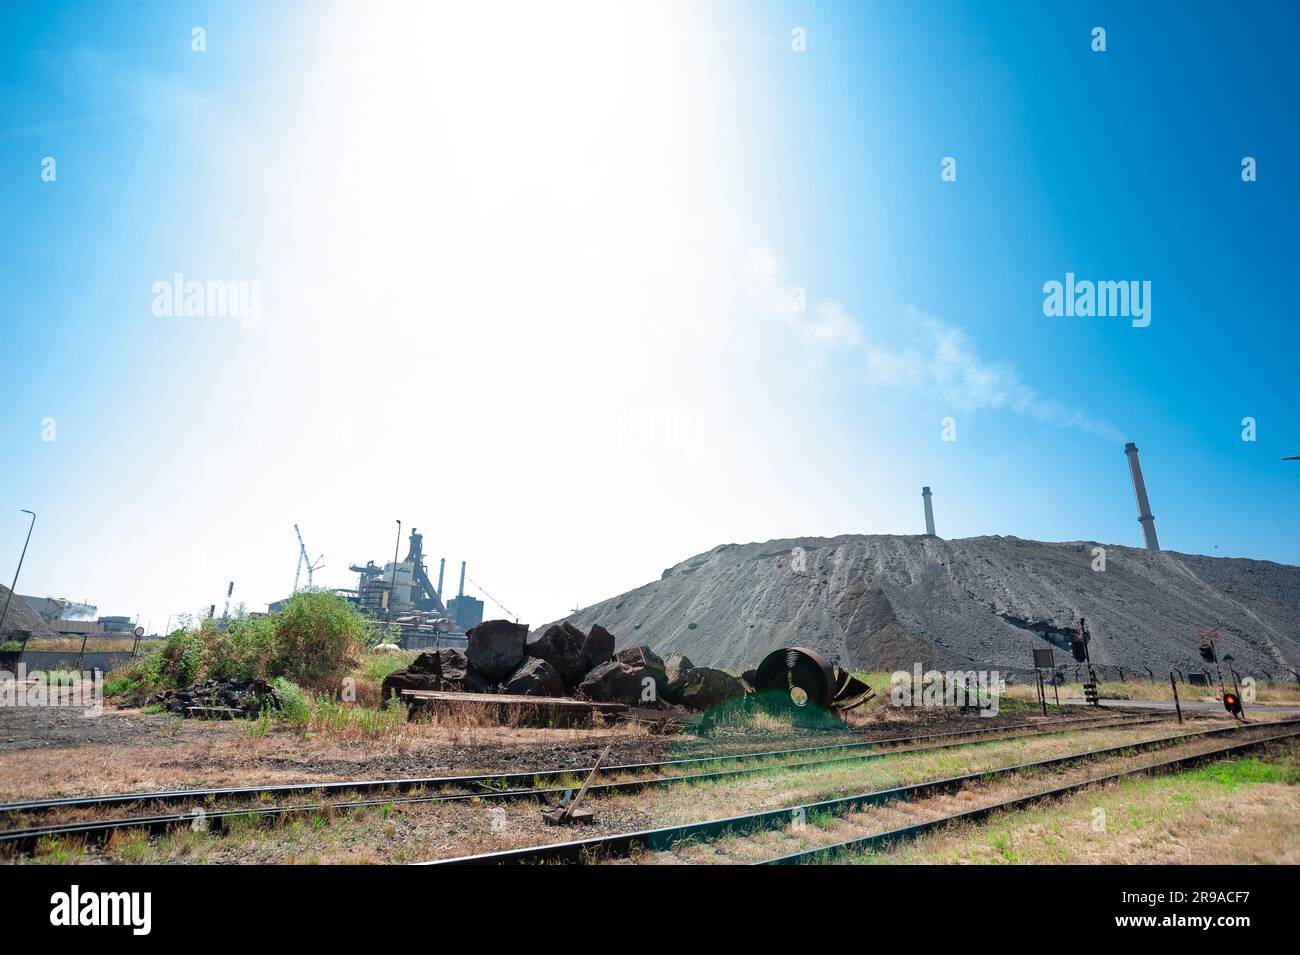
<point>892,837</point>
<point>26,837</point>
<point>495,780</point>
<point>663,837</point>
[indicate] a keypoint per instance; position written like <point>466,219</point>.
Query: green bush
<point>313,642</point>
<point>293,702</point>
<point>318,637</point>
<point>121,686</point>
<point>246,650</point>
<point>182,658</point>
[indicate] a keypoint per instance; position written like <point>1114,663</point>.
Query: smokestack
<point>1145,517</point>
<point>929,512</point>
<point>462,580</point>
<point>442,565</point>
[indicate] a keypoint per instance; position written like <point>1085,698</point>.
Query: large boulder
<point>459,675</point>
<point>535,677</point>
<point>446,669</point>
<point>619,682</point>
<point>677,665</point>
<point>427,663</point>
<point>400,680</point>
<point>496,648</point>
<point>675,670</point>
<point>704,688</point>
<point>561,647</point>
<point>641,656</point>
<point>598,647</point>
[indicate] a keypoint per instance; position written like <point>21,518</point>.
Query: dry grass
<point>1232,812</point>
<point>184,754</point>
<point>1280,692</point>
<point>1276,814</point>
<point>714,800</point>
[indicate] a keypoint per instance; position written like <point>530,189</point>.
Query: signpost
<point>1044,659</point>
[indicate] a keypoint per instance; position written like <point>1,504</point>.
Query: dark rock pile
<point>218,698</point>
<point>564,661</point>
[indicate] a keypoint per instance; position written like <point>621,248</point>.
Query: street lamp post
<point>20,567</point>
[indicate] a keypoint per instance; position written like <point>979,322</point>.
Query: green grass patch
<point>1244,772</point>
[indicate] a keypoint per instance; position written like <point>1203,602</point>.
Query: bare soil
<point>56,751</point>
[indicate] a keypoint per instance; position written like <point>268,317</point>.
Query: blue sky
<point>527,277</point>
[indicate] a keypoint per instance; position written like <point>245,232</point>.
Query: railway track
<point>500,780</point>
<point>621,845</point>
<point>489,787</point>
<point>892,837</point>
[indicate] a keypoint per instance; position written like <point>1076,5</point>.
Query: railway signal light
<point>1232,703</point>
<point>1207,653</point>
<point>1090,694</point>
<point>1077,648</point>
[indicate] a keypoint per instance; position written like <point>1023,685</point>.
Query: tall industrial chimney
<point>442,565</point>
<point>1145,517</point>
<point>929,512</point>
<point>461,592</point>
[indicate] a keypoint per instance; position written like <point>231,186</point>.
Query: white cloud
<point>932,356</point>
<point>951,363</point>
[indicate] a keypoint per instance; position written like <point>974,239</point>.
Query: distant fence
<point>437,642</point>
<point>1110,673</point>
<point>48,660</point>
<point>1076,673</point>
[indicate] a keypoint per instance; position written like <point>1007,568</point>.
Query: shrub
<point>182,658</point>
<point>293,702</point>
<point>121,686</point>
<point>316,639</point>
<point>246,651</point>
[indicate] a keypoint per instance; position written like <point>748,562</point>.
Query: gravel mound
<point>884,602</point>
<point>22,617</point>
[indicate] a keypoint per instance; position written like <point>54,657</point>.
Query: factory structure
<point>1145,517</point>
<point>77,618</point>
<point>402,592</point>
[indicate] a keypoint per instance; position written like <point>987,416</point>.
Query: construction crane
<point>305,561</point>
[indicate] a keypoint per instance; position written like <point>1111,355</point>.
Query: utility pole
<point>19,569</point>
<point>392,584</point>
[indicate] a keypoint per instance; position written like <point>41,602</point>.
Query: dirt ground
<point>56,751</point>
